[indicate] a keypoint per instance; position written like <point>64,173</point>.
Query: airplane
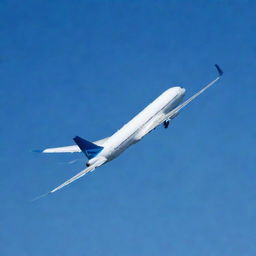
<point>161,111</point>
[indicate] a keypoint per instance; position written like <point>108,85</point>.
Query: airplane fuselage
<point>164,108</point>
<point>133,131</point>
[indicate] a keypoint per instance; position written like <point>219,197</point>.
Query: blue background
<point>85,68</point>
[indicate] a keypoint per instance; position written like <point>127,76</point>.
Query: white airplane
<point>161,111</point>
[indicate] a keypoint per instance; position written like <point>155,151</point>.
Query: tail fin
<point>88,148</point>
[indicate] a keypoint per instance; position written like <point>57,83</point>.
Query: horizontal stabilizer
<point>88,148</point>
<point>69,149</point>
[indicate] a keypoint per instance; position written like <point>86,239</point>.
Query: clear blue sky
<point>85,68</point>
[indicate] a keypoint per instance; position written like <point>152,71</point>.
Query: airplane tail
<point>88,148</point>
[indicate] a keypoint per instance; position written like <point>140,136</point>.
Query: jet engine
<point>166,123</point>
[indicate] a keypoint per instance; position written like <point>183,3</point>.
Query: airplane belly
<point>117,150</point>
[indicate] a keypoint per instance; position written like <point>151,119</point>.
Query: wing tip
<point>220,71</point>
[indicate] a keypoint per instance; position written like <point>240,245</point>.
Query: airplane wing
<point>77,176</point>
<point>69,149</point>
<point>178,108</point>
<point>80,174</point>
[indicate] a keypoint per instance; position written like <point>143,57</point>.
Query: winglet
<point>220,72</point>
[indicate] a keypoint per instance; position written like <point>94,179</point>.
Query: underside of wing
<point>79,175</point>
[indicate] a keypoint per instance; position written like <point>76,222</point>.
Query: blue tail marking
<point>88,148</point>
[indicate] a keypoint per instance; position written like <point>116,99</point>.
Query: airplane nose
<point>182,90</point>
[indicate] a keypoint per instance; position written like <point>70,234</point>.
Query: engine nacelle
<point>166,123</point>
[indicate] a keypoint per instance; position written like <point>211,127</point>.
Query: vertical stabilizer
<point>88,148</point>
